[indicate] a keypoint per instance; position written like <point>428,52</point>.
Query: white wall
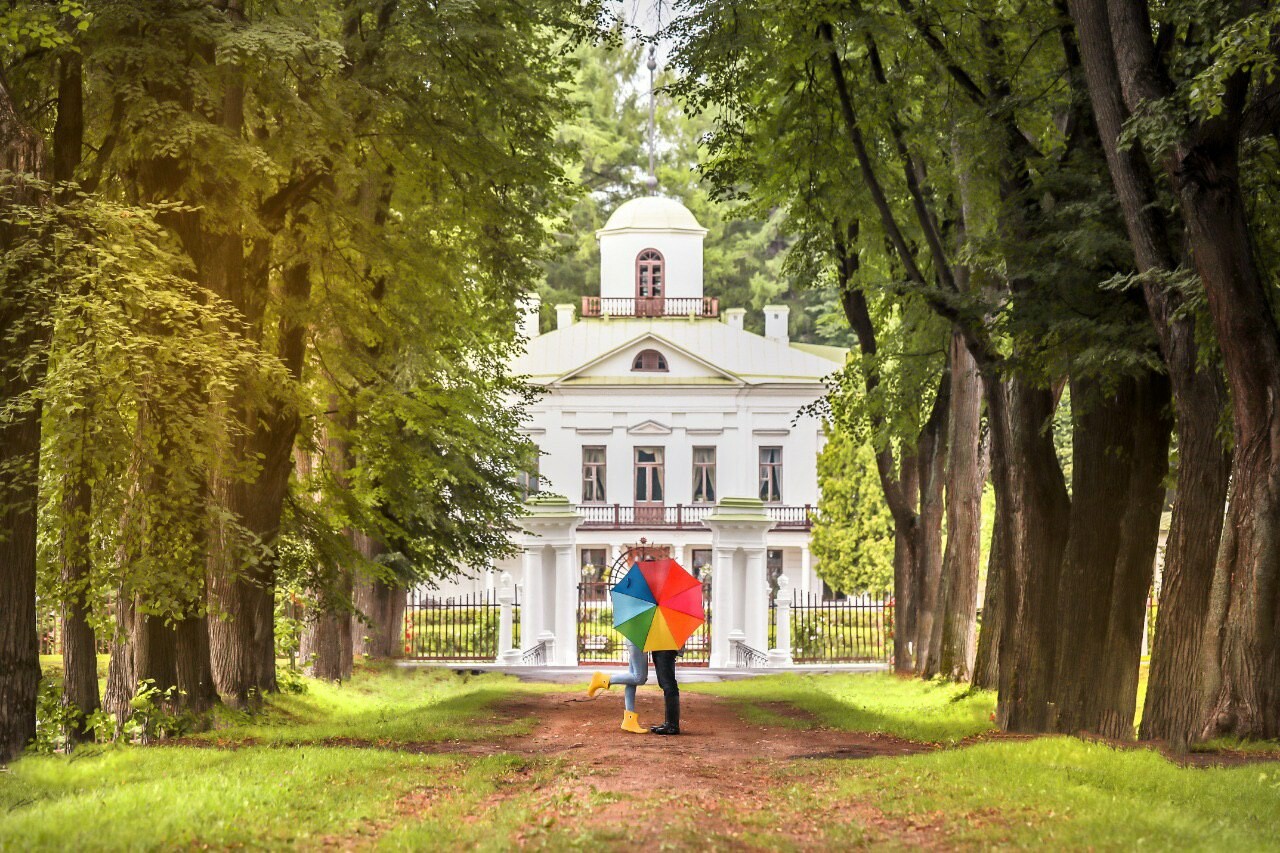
<point>736,421</point>
<point>681,253</point>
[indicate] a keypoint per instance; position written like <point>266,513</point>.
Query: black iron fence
<point>461,628</point>
<point>600,643</point>
<point>857,629</point>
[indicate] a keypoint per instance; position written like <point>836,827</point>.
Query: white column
<point>806,569</point>
<point>780,654</point>
<point>550,524</point>
<point>738,523</point>
<point>677,554</point>
<point>566,596</point>
<point>755,602</point>
<point>507,652</point>
<point>531,608</point>
<point>723,613</point>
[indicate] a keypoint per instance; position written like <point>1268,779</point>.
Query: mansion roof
<point>700,352</point>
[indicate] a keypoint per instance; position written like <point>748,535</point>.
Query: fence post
<point>507,653</point>
<point>780,655</point>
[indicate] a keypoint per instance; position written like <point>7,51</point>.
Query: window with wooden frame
<point>771,474</point>
<point>704,475</point>
<point>593,485</point>
<point>650,278</point>
<point>527,481</point>
<point>649,361</point>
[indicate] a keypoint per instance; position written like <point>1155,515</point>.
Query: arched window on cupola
<point>649,361</point>
<point>650,275</point>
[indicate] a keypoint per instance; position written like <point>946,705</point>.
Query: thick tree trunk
<point>378,625</point>
<point>1037,512</point>
<point>1172,710</point>
<point>330,644</point>
<point>1120,451</point>
<point>1240,655</point>
<point>22,362</point>
<point>121,672</point>
<point>155,650</point>
<point>955,630</point>
<point>194,665</point>
<point>933,465</point>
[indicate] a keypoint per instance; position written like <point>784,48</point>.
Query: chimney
<point>529,308</point>
<point>564,316</point>
<point>775,323</point>
<point>734,317</point>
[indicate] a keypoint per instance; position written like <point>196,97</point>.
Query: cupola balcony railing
<point>651,306</point>
<point>680,516</point>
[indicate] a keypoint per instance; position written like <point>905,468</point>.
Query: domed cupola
<point>651,247</point>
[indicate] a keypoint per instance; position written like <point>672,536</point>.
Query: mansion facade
<point>655,406</point>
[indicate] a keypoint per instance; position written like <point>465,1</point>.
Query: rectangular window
<point>700,562</point>
<point>595,562</point>
<point>527,481</point>
<point>649,480</point>
<point>704,475</point>
<point>593,475</point>
<point>771,474</point>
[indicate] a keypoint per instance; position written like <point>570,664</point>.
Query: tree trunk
<point>1037,512</point>
<point>986,667</point>
<point>955,629</point>
<point>933,465</point>
<point>1120,452</point>
<point>155,650</point>
<point>194,665</point>
<point>79,644</point>
<point>1172,711</point>
<point>22,364</point>
<point>121,673</point>
<point>378,624</point>
<point>906,561</point>
<point>1240,655</point>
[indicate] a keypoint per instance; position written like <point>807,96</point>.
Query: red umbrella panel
<point>658,605</point>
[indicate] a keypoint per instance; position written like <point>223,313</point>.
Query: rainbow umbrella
<point>657,605</point>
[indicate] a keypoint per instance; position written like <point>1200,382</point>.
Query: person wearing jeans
<point>637,675</point>
<point>664,664</point>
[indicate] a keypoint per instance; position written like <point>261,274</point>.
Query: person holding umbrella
<point>657,606</point>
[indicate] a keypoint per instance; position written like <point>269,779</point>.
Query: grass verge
<point>934,712</point>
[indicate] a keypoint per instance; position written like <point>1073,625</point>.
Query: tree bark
<point>121,673</point>
<point>155,650</point>
<point>1172,710</point>
<point>1120,452</point>
<point>986,667</point>
<point>194,664</point>
<point>1037,509</point>
<point>906,575</point>
<point>378,625</point>
<point>22,364</point>
<point>955,631</point>
<point>79,643</point>
<point>933,466</point>
<point>1240,654</point>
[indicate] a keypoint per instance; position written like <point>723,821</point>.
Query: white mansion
<point>656,405</point>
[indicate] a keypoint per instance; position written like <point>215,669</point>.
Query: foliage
<point>853,532</point>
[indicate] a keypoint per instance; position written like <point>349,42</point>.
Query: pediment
<point>649,427</point>
<point>615,365</point>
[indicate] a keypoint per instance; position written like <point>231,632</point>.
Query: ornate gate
<point>598,641</point>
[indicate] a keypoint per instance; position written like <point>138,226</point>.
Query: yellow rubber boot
<point>631,723</point>
<point>599,681</point>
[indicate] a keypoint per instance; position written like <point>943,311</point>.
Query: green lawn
<point>934,712</point>
<point>286,780</point>
<point>386,705</point>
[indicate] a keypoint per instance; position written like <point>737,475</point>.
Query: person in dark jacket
<point>664,663</point>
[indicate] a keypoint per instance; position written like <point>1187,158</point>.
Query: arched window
<point>649,274</point>
<point>650,361</point>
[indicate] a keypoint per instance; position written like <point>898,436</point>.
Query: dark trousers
<point>664,663</point>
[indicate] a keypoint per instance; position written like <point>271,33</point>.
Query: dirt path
<point>715,786</point>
